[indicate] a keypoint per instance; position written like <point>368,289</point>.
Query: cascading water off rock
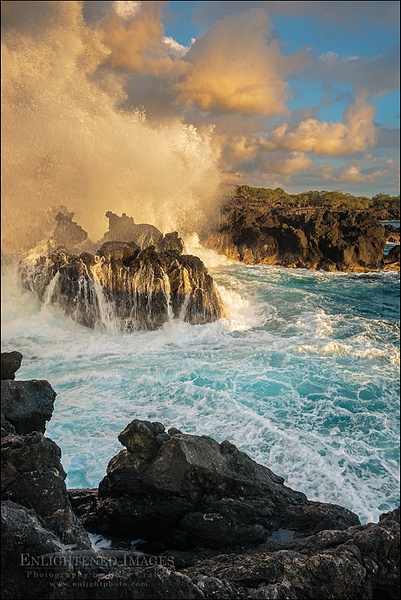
<point>121,287</point>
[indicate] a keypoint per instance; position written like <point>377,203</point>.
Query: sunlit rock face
<point>122,287</point>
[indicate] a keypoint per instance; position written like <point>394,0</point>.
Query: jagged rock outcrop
<point>184,490</point>
<point>67,232</point>
<point>392,233</point>
<point>10,363</point>
<point>125,288</point>
<point>32,476</point>
<point>124,229</point>
<point>319,239</point>
<point>172,242</point>
<point>27,404</point>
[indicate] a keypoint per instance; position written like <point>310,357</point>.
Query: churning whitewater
<point>301,373</point>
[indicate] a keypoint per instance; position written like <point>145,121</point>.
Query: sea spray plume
<point>67,140</point>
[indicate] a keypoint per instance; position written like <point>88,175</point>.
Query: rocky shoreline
<point>213,522</point>
<point>254,232</point>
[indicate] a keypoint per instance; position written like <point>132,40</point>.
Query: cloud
<point>236,67</point>
<point>349,174</point>
<point>356,134</point>
<point>282,163</point>
<point>176,49</point>
<point>377,75</point>
<point>126,9</point>
<point>134,34</point>
<point>388,137</point>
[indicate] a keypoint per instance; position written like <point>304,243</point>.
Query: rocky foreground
<point>333,240</point>
<point>213,522</point>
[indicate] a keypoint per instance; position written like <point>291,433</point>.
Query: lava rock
<point>124,229</point>
<point>67,232</point>
<point>393,257</point>
<point>10,363</point>
<point>358,562</point>
<point>314,239</point>
<point>172,242</point>
<point>185,490</point>
<point>27,404</point>
<point>32,476</point>
<point>122,288</point>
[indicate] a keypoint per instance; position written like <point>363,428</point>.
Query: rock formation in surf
<point>124,229</point>
<point>215,524</point>
<point>125,287</point>
<point>313,239</point>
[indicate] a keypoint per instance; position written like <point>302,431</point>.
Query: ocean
<point>302,374</point>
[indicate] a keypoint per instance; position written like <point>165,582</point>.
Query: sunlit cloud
<point>134,34</point>
<point>355,134</point>
<point>236,67</point>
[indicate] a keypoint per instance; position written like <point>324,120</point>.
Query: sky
<point>104,101</point>
<point>301,95</point>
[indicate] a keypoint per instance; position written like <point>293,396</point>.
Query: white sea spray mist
<point>68,141</point>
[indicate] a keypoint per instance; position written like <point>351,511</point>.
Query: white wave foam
<point>210,258</point>
<point>241,313</point>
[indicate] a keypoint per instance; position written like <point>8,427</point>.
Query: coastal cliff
<point>253,232</point>
<point>214,523</point>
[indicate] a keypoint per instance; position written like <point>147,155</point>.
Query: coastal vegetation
<point>335,199</point>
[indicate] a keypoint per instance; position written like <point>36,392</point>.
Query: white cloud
<point>174,48</point>
<point>126,9</point>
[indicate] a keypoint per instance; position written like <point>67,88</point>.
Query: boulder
<point>10,363</point>
<point>27,404</point>
<point>183,490</point>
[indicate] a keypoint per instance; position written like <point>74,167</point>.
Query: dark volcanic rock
<point>318,239</point>
<point>393,257</point>
<point>65,572</point>
<point>32,476</point>
<point>185,490</point>
<point>67,232</point>
<point>124,229</point>
<point>10,363</point>
<point>27,404</point>
<point>171,242</point>
<point>359,562</point>
<point>119,251</point>
<point>118,286</point>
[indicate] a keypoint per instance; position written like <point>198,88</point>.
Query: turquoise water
<point>302,374</point>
